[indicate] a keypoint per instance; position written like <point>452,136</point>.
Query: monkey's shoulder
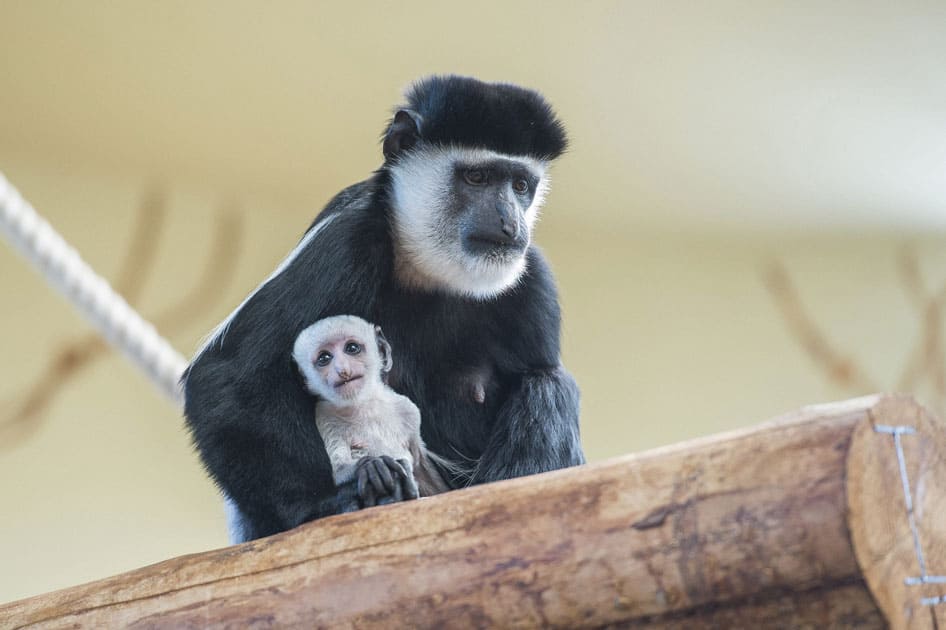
<point>352,227</point>
<point>407,411</point>
<point>354,198</point>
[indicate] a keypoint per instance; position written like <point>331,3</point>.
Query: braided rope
<point>63,268</point>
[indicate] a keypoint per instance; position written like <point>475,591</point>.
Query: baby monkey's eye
<point>323,359</point>
<point>521,186</point>
<point>352,348</point>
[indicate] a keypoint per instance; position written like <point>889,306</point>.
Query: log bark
<point>746,529</point>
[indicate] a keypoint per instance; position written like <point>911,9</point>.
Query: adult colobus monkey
<point>435,248</point>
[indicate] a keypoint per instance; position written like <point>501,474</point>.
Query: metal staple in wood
<point>924,577</point>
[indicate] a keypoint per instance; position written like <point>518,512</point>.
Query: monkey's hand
<point>383,480</point>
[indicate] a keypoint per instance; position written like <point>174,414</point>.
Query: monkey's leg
<point>536,429</point>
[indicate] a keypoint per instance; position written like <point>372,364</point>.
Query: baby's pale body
<point>370,432</point>
<point>387,424</point>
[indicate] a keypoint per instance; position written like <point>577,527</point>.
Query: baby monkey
<point>370,432</point>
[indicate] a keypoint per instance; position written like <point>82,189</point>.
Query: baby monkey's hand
<point>383,480</point>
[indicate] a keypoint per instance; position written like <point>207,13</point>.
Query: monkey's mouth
<point>341,384</point>
<point>493,248</point>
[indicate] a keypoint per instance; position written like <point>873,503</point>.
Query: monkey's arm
<point>270,462</point>
<point>536,429</point>
<point>336,446</point>
<point>249,414</point>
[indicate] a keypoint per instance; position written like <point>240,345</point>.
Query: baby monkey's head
<point>342,358</point>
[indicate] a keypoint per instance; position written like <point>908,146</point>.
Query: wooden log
<point>746,529</point>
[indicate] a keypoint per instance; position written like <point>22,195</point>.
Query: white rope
<point>90,293</point>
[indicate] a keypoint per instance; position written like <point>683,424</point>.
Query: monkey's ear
<point>402,134</point>
<point>384,349</point>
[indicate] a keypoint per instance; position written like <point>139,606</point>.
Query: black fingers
<point>384,472</point>
<point>367,482</point>
<point>395,497</point>
<point>395,465</point>
<point>410,485</point>
<point>374,478</point>
<point>362,478</point>
<point>369,498</point>
<point>384,480</point>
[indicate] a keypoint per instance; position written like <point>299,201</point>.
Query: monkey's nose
<point>507,220</point>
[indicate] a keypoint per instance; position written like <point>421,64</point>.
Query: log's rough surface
<point>747,529</point>
<point>894,561</point>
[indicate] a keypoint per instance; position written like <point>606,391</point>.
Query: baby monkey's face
<point>343,362</point>
<point>341,359</point>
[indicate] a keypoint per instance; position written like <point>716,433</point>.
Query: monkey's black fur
<point>505,118</point>
<point>253,421</point>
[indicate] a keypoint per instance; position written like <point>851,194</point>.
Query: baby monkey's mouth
<point>344,382</point>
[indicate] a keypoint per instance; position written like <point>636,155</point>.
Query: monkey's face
<point>342,363</point>
<point>464,217</point>
<point>340,358</point>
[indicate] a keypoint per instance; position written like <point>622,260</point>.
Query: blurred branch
<point>217,273</point>
<point>928,357</point>
<point>141,253</point>
<point>839,369</point>
<point>26,409</point>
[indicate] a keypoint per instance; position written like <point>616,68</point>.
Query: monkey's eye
<point>475,176</point>
<point>352,348</point>
<point>521,186</point>
<point>323,359</point>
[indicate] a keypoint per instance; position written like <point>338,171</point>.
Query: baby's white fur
<point>385,424</point>
<point>309,340</point>
<point>376,421</point>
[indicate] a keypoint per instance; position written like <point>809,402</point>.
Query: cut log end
<point>896,489</point>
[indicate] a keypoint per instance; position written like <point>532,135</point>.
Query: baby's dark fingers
<point>373,477</point>
<point>366,486</point>
<point>362,480</point>
<point>395,497</point>
<point>410,484</point>
<point>384,474</point>
<point>399,466</point>
<point>411,490</point>
<point>369,498</point>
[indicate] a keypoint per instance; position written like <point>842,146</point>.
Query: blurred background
<point>751,218</point>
